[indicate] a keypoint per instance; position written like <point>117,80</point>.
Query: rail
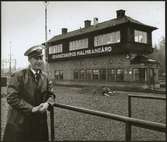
<point>127,120</point>
<point>130,96</point>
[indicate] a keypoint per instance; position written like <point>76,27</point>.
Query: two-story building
<point>113,52</point>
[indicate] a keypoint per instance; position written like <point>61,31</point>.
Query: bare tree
<point>159,54</point>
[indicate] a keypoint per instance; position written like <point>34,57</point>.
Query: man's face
<point>36,62</point>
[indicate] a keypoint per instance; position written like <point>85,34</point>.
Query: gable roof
<point>99,26</point>
<point>143,59</point>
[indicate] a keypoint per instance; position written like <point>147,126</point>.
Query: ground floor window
<point>58,75</point>
<point>103,74</point>
<point>112,74</point>
<point>139,74</point>
<point>96,74</point>
<point>76,75</point>
<point>61,75</point>
<point>120,75</point>
<point>82,75</point>
<point>89,74</point>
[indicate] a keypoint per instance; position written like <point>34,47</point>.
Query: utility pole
<point>15,64</point>
<point>46,38</point>
<point>10,58</point>
<point>46,21</point>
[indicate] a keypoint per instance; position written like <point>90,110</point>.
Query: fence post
<point>129,106</point>
<point>128,125</point>
<point>128,132</point>
<point>52,124</point>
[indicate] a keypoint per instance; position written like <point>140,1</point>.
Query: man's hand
<point>44,107</point>
<point>36,108</point>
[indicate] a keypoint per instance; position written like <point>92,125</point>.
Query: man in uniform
<point>29,99</point>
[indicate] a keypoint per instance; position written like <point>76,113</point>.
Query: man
<point>28,98</point>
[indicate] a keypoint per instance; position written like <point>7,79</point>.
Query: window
<point>111,74</point>
<point>56,49</point>
<point>78,44</point>
<point>82,74</point>
<point>58,75</point>
<point>61,75</point>
<point>103,74</point>
<point>119,75</point>
<point>76,76</point>
<point>140,36</point>
<point>108,38</point>
<point>139,74</point>
<point>95,74</point>
<point>88,74</point>
<point>51,50</point>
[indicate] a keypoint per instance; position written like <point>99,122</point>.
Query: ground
<point>70,125</point>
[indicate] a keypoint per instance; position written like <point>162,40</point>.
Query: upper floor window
<point>108,38</point>
<point>56,49</point>
<point>78,44</point>
<point>140,36</point>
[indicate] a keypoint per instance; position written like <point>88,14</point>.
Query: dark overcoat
<point>23,94</point>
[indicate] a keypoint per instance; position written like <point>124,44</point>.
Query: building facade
<point>111,52</point>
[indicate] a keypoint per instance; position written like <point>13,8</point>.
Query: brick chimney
<point>120,13</point>
<point>64,30</point>
<point>87,23</point>
<point>95,20</point>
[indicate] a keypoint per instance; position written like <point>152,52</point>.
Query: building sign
<point>83,52</point>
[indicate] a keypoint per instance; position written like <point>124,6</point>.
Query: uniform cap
<point>34,51</point>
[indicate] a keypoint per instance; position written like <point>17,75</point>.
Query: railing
<point>130,110</point>
<point>127,120</point>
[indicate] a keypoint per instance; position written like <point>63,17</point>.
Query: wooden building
<point>111,52</point>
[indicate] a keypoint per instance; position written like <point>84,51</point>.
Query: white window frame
<point>78,44</point>
<point>140,36</point>
<point>109,38</point>
<point>58,48</point>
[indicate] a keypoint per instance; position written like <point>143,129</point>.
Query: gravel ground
<point>70,125</point>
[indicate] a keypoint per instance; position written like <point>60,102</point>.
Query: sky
<point>23,23</point>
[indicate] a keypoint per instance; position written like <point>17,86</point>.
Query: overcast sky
<point>23,23</point>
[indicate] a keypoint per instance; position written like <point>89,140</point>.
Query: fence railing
<point>130,96</point>
<point>127,120</point>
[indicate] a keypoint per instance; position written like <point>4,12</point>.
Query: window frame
<point>57,48</point>
<point>78,44</point>
<point>93,75</point>
<point>107,38</point>
<point>138,33</point>
<point>120,78</point>
<point>58,74</point>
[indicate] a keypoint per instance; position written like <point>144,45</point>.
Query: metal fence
<point>127,120</point>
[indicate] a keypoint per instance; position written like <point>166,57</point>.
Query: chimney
<point>64,31</point>
<point>87,23</point>
<point>95,20</point>
<point>120,13</point>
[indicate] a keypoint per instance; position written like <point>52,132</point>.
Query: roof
<point>99,26</point>
<point>143,59</point>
